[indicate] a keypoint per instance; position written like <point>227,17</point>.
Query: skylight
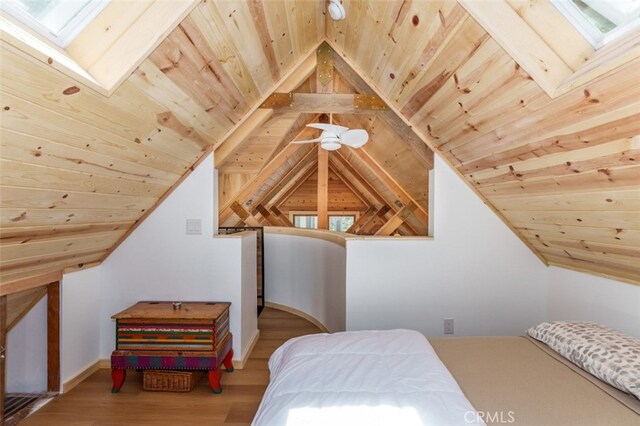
<point>58,20</point>
<point>601,21</point>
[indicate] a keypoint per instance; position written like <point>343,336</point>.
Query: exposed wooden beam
<point>323,188</point>
<point>290,81</point>
<point>375,221</point>
<point>259,179</point>
<point>244,215</point>
<point>267,215</point>
<point>338,103</point>
<point>417,144</point>
<point>298,131</point>
<point>347,169</point>
<point>418,147</point>
<point>353,188</point>
<point>238,139</point>
<point>398,219</point>
<point>382,174</point>
<point>518,39</point>
<point>281,216</point>
<point>364,218</point>
<point>25,300</point>
<point>27,282</point>
<point>53,337</point>
<point>284,195</point>
<point>290,179</point>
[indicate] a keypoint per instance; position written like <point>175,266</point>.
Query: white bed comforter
<point>362,378</point>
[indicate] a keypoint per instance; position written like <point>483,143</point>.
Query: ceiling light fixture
<point>336,10</point>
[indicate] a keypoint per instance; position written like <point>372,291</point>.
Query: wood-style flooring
<point>92,403</point>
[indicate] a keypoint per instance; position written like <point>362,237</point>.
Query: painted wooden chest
<point>173,336</point>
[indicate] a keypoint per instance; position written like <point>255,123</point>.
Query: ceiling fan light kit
<point>330,145</point>
<point>334,136</point>
<point>336,10</point>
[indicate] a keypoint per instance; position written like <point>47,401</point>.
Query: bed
<point>399,378</point>
<point>362,378</point>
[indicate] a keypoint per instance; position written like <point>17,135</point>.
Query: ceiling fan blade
<point>354,138</point>
<point>307,141</point>
<point>332,128</point>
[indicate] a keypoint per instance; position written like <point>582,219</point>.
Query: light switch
<point>194,227</point>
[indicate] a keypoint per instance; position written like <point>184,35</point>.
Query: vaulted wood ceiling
<point>551,148</point>
<point>264,180</point>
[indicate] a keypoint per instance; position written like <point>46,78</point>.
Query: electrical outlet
<point>448,326</point>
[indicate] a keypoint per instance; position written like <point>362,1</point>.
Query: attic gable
<point>389,173</point>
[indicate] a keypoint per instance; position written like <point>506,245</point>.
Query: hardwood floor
<point>92,403</point>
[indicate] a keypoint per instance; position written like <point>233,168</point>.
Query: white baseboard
<point>78,378</point>
<point>239,363</point>
<point>299,313</point>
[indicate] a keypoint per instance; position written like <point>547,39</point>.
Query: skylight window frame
<point>69,32</point>
<point>592,34</point>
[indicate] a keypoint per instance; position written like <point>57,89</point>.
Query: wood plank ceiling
<point>79,170</point>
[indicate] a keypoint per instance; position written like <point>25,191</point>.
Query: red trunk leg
<point>228,361</point>
<point>118,377</point>
<point>214,380</point>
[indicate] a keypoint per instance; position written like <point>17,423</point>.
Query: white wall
<point>475,271</point>
<point>158,261</point>
<point>26,353</point>
<point>80,321</point>
<point>248,290</point>
<point>236,281</point>
<point>307,274</point>
<point>584,297</point>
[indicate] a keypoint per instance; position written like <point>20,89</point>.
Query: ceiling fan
<point>334,136</point>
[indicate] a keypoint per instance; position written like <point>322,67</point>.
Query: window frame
<point>293,214</point>
<point>69,32</point>
<point>591,33</point>
<point>304,214</point>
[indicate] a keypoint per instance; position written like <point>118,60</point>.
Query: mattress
<point>362,378</point>
<point>514,380</point>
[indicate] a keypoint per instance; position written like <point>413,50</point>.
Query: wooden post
<point>323,188</point>
<point>53,337</point>
<point>3,346</point>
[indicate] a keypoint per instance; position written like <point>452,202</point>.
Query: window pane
<point>52,14</point>
<point>599,21</point>
<point>340,223</point>
<point>300,221</point>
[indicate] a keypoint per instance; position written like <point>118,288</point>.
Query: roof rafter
<point>417,143</point>
<point>259,179</point>
<point>300,169</point>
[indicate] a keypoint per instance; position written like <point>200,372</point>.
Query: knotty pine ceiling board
<point>79,170</point>
<point>562,172</point>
